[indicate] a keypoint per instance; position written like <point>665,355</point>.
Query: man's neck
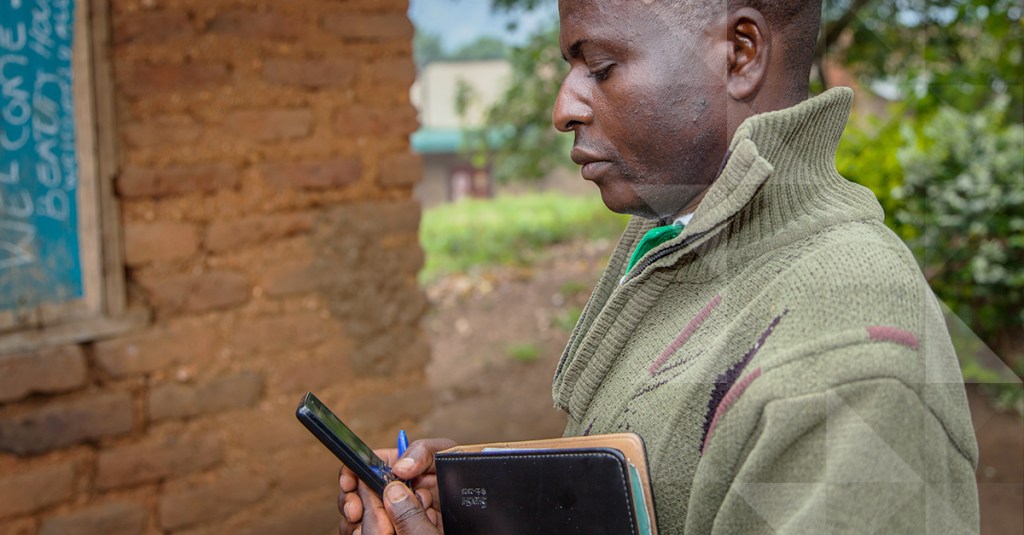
<point>691,207</point>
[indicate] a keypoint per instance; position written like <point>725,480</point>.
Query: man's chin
<point>626,205</point>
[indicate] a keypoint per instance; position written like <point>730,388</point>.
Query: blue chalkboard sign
<point>39,240</point>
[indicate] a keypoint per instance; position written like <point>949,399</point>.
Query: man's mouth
<point>593,170</point>
<point>594,165</point>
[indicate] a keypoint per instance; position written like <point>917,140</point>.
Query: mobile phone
<point>338,438</point>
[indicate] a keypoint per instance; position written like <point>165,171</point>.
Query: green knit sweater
<point>783,357</point>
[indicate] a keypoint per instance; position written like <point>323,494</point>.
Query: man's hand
<point>363,512</point>
<point>407,515</point>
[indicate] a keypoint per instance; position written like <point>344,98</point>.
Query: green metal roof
<point>437,140</point>
<point>449,140</point>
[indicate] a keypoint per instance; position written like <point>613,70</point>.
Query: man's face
<point>645,98</point>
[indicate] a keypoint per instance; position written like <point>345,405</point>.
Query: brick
<point>198,292</point>
<point>225,393</point>
<point>60,424</point>
<point>314,518</point>
<point>36,489</point>
<point>378,122</point>
<point>159,242</point>
<point>151,27</point>
<point>269,125</point>
<point>154,460</point>
<point>46,371</point>
<point>383,356</point>
<point>145,80</point>
<point>136,182</point>
<point>370,26</point>
<point>388,409</point>
<point>401,170</point>
<point>314,175</point>
<point>157,349</point>
<point>399,72</point>
<point>162,132</point>
<point>210,502</point>
<point>314,374</point>
<point>20,526</point>
<point>115,518</point>
<point>305,472</point>
<point>371,219</point>
<point>297,277</point>
<point>280,333</point>
<point>251,231</point>
<point>252,25</point>
<point>310,73</point>
<point>274,431</point>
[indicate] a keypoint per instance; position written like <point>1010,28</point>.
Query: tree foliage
<point>484,47</point>
<point>527,147</point>
<point>428,47</point>
<point>954,53</point>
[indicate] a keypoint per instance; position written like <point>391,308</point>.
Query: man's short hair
<point>801,22</point>
<point>798,20</point>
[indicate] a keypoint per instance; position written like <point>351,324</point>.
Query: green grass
<point>567,319</point>
<point>525,352</point>
<point>571,288</point>
<point>509,230</point>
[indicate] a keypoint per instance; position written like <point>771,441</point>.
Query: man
<point>773,343</point>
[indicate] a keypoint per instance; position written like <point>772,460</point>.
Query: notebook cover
<point>541,492</point>
<point>630,444</point>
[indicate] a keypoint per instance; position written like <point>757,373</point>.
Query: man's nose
<point>571,107</point>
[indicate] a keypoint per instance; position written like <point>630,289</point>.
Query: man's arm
<point>862,457</point>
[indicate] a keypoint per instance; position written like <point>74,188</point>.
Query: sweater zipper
<point>639,268</point>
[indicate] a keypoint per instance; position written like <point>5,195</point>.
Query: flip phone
<point>338,438</point>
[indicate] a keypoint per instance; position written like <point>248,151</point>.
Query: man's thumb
<point>405,511</point>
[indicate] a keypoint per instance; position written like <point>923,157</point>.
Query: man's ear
<point>749,53</point>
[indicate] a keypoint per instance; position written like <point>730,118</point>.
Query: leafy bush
<point>867,155</point>
<point>509,230</point>
<point>963,196</point>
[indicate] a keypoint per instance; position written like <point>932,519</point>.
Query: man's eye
<point>601,74</point>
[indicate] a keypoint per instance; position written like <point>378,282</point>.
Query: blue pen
<point>403,442</point>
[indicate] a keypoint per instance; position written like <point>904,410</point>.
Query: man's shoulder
<point>850,257</point>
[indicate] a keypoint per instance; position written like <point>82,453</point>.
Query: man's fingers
<point>347,480</point>
<point>426,498</point>
<point>407,515</point>
<point>375,519</point>
<point>353,508</point>
<point>419,458</point>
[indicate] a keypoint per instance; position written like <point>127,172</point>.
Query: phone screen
<point>343,442</point>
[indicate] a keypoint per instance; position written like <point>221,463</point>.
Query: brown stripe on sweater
<point>884,333</point>
<point>685,334</point>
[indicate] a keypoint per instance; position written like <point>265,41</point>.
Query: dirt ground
<point>497,336</point>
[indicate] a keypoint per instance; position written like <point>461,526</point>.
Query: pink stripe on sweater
<point>893,334</point>
<point>684,335</point>
<point>730,397</point>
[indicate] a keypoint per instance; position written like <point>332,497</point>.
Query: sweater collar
<point>796,146</point>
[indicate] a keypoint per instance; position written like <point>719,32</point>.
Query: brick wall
<point>265,185</point>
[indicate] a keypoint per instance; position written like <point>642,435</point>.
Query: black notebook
<point>563,486</point>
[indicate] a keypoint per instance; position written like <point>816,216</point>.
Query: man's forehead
<point>629,21</point>
<point>674,9</point>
